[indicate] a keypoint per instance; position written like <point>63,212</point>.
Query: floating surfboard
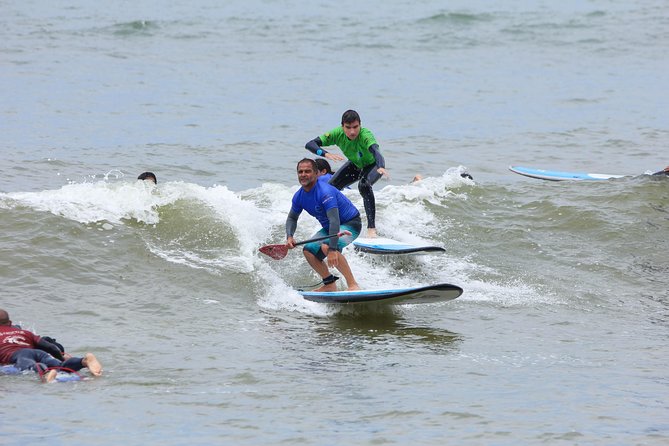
<point>60,377</point>
<point>379,245</point>
<point>9,370</point>
<point>554,175</point>
<point>441,292</point>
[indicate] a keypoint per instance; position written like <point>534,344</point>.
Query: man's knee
<point>308,253</point>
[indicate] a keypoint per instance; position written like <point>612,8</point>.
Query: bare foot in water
<point>93,364</point>
<point>50,375</point>
<point>371,232</point>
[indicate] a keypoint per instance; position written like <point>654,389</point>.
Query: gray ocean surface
<point>561,334</point>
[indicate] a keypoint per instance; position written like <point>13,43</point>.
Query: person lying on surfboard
<point>26,351</point>
<point>365,163</point>
<point>336,214</point>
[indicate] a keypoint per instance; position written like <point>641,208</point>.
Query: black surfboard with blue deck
<point>380,245</point>
<point>441,292</point>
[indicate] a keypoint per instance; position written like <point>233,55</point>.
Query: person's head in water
<point>323,165</point>
<point>148,176</point>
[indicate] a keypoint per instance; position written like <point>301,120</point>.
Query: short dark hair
<point>350,116</point>
<point>307,160</point>
<point>322,164</point>
<point>4,317</point>
<point>146,175</point>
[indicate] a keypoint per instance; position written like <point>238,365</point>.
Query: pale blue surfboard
<point>60,377</point>
<point>440,292</point>
<point>555,175</point>
<point>380,245</point>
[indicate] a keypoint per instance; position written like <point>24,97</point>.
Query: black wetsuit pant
<point>348,174</point>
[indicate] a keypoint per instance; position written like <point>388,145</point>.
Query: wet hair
<point>322,164</point>
<point>350,116</point>
<point>4,318</point>
<point>307,160</point>
<point>148,175</point>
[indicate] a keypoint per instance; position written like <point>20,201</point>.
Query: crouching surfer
<point>28,351</point>
<point>335,213</point>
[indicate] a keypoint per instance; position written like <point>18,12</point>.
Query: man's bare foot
<point>327,288</point>
<point>371,232</point>
<point>93,364</point>
<point>50,376</point>
<point>354,287</point>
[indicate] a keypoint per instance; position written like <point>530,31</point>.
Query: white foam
<point>402,214</point>
<point>95,202</point>
<point>252,218</point>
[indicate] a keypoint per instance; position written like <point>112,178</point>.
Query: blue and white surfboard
<point>60,377</point>
<point>440,292</point>
<point>380,245</point>
<point>554,175</point>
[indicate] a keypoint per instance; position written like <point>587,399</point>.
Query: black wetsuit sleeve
<point>291,223</point>
<point>314,146</point>
<point>380,161</point>
<point>333,217</point>
<point>54,342</point>
<point>50,348</point>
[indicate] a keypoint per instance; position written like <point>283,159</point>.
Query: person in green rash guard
<point>365,163</point>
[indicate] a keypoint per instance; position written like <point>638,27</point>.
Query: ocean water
<point>560,335</point>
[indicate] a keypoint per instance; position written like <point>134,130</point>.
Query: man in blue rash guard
<point>335,213</point>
